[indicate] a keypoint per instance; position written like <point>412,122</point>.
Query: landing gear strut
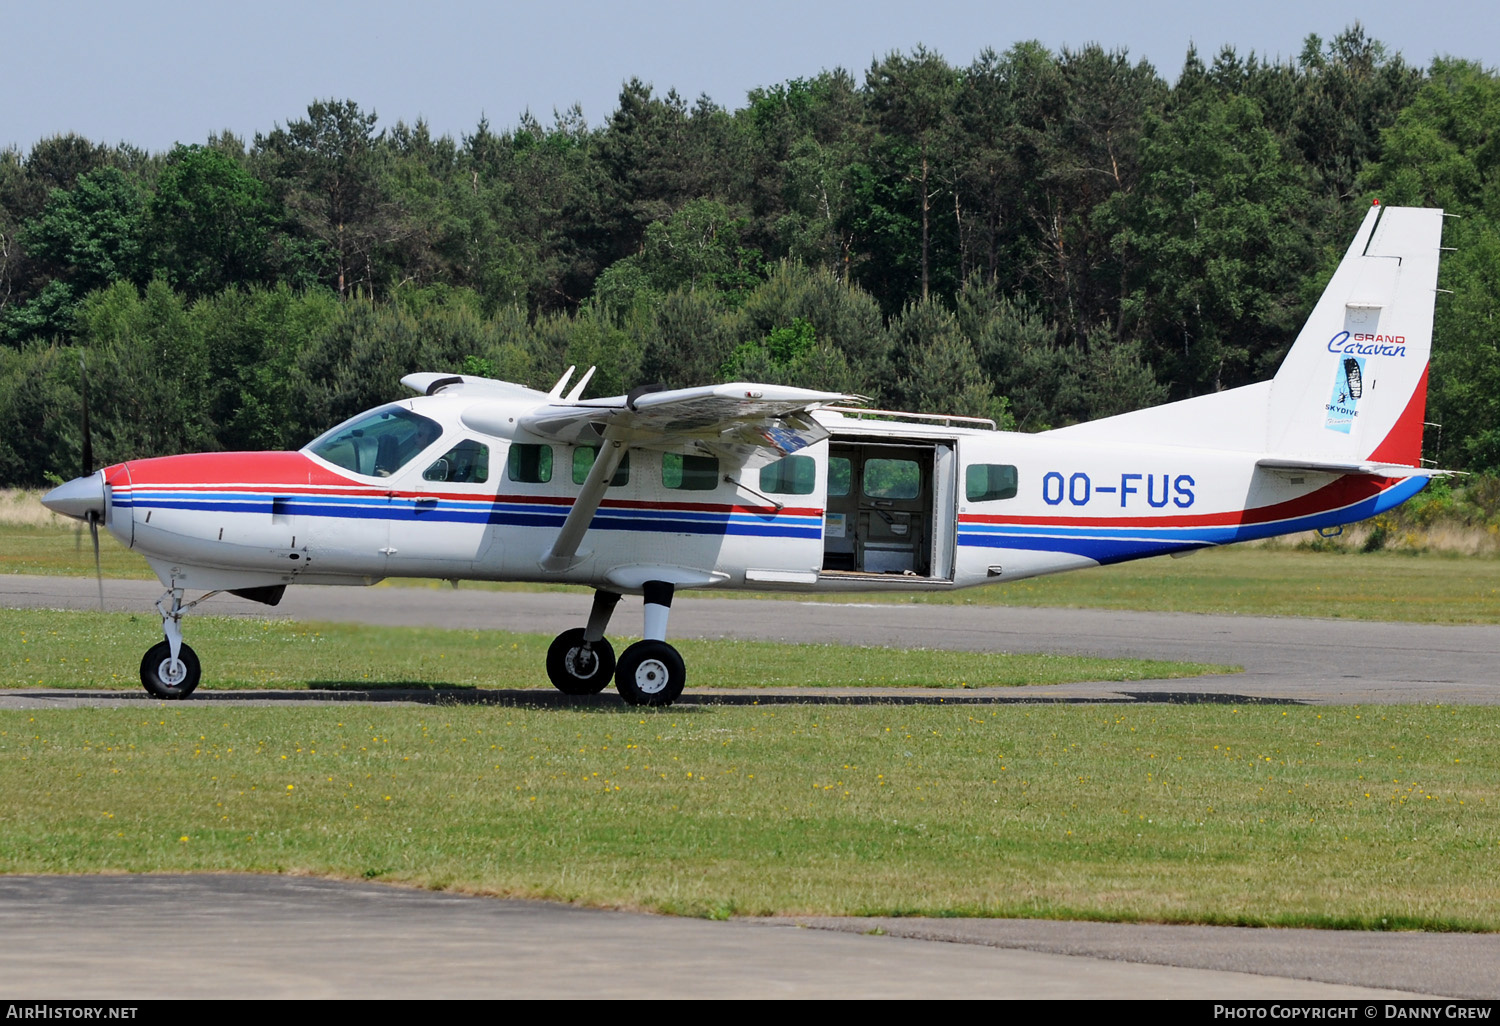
<point>170,668</point>
<point>650,672</point>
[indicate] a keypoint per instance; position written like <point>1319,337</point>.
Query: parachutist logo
<point>1353,378</point>
<point>1348,388</point>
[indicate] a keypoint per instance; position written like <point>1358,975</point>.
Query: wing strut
<point>564,551</point>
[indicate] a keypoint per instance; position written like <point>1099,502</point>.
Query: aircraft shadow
<point>439,694</point>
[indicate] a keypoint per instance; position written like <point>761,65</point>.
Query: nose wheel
<point>169,676</point>
<point>170,669</point>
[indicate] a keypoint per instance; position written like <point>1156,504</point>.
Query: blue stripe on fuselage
<point>1134,541</point>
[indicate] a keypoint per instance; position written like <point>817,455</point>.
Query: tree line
<point>1037,237</point>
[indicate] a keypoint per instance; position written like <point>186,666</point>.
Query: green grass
<point>45,648</point>
<point>1246,580</point>
<point>1266,581</point>
<point>1382,818</point>
<point>66,550</point>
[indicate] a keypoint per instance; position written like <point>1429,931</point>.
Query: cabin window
<point>379,443</point>
<point>468,462</point>
<point>986,482</point>
<point>583,461</point>
<point>794,475</point>
<point>529,464</point>
<point>690,473</point>
<point>892,479</point>
<point>840,472</point>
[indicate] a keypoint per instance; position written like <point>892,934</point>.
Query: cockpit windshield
<point>378,443</point>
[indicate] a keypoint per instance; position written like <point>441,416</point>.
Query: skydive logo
<point>1367,345</point>
<point>1348,388</point>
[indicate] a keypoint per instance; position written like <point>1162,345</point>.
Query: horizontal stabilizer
<point>1367,468</point>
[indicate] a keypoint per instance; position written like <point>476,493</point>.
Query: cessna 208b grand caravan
<point>785,489</point>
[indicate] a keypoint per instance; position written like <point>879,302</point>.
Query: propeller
<point>92,516</point>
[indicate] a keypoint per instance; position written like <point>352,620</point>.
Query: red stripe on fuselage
<point>217,469</point>
<point>293,474</point>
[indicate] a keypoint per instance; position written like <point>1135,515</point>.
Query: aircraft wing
<point>733,420</point>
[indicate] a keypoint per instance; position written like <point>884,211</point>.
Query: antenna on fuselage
<point>577,393</point>
<point>562,382</point>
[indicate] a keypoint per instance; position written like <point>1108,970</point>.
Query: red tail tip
<point>1375,204</point>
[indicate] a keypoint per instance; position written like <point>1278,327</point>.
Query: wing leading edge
<point>731,420</point>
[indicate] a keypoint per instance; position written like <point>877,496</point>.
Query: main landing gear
<point>650,672</point>
<point>170,668</point>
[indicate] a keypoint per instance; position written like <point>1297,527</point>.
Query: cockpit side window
<point>468,462</point>
<point>378,443</point>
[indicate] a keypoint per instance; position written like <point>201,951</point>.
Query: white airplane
<point>784,489</point>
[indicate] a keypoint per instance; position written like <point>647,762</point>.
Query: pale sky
<point>155,72</point>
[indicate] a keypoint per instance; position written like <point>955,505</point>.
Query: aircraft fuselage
<point>880,505</point>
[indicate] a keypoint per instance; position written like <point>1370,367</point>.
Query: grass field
<point>1267,581</point>
<point>1336,817</point>
<point>46,648</point>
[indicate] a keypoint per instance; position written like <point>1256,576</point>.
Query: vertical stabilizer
<point>1354,385</point>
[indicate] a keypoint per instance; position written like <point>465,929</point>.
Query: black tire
<point>161,679</point>
<point>578,667</point>
<point>650,673</point>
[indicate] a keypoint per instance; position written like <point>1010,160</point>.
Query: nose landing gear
<point>170,668</point>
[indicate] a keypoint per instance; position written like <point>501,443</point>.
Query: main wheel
<point>650,673</point>
<point>579,667</point>
<point>166,677</point>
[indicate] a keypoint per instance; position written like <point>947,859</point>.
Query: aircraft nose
<point>79,498</point>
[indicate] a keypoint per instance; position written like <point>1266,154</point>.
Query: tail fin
<point>1352,388</point>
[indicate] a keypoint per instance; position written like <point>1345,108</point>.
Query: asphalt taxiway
<point>1284,659</point>
<point>124,937</point>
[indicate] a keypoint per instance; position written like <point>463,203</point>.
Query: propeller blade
<point>93,519</point>
<point>88,441</point>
